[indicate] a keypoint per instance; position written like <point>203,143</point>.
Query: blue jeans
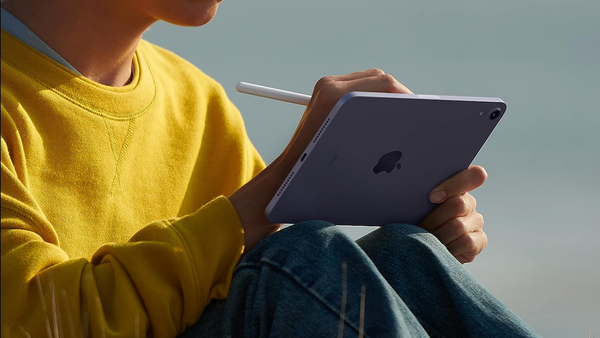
<point>311,280</point>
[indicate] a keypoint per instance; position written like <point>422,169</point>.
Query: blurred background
<point>541,202</point>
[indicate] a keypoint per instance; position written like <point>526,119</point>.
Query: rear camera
<point>494,114</point>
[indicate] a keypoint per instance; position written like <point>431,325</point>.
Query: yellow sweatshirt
<point>114,219</point>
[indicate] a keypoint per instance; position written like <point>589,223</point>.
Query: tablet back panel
<point>379,155</point>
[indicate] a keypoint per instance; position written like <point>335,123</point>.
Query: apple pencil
<point>272,93</point>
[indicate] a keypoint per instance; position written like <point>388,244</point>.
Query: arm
<point>161,278</point>
<point>156,283</point>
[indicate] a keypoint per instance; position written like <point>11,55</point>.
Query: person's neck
<point>95,37</point>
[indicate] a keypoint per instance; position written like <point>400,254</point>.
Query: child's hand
<point>455,222</point>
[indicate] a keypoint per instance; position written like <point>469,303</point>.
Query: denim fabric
<point>311,280</point>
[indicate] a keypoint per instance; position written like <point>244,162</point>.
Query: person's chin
<point>195,17</point>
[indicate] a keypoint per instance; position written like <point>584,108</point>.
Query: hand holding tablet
<point>355,186</point>
<point>377,156</point>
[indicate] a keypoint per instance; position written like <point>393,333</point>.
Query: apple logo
<point>387,162</point>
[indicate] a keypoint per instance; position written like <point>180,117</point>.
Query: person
<point>132,201</point>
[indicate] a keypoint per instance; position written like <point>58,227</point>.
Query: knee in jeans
<point>411,234</point>
<point>399,237</point>
<point>300,238</point>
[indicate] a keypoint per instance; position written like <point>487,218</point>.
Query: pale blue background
<point>541,202</point>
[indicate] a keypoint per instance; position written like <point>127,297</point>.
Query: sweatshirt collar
<point>117,102</point>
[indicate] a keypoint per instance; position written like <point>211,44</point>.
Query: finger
<point>465,258</point>
<point>465,181</point>
<point>457,227</point>
<point>334,80</point>
<point>346,77</point>
<point>333,91</point>
<point>330,89</point>
<point>468,245</point>
<point>376,83</point>
<point>456,206</point>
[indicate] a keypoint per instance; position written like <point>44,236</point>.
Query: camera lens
<point>494,114</point>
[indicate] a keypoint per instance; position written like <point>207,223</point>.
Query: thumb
<point>465,181</point>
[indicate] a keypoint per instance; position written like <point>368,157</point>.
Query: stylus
<point>272,93</point>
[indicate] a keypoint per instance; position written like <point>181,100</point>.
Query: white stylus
<point>272,93</point>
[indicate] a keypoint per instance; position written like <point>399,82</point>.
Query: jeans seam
<point>311,291</point>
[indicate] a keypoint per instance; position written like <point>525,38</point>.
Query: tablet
<point>378,155</point>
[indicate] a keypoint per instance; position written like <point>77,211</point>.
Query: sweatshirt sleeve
<point>155,284</point>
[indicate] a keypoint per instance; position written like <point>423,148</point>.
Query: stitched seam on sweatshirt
<point>32,220</point>
<point>119,159</point>
<point>84,106</point>
<point>196,272</point>
<point>113,142</point>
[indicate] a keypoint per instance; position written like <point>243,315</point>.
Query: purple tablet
<point>378,155</point>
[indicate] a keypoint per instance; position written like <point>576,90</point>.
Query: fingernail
<point>437,196</point>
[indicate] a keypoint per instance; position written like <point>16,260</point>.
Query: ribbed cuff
<point>214,239</point>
